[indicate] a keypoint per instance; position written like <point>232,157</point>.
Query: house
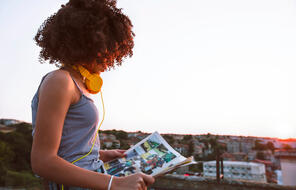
<point>252,155</point>
<point>108,143</point>
<point>233,146</point>
<point>181,148</point>
<point>178,137</point>
<point>228,157</point>
<point>104,136</point>
<point>9,121</point>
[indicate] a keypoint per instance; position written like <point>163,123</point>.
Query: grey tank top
<point>79,130</point>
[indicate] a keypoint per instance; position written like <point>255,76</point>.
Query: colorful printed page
<point>153,156</point>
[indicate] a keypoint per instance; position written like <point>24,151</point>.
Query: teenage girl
<point>84,37</point>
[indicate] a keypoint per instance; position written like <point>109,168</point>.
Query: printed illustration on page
<point>153,155</point>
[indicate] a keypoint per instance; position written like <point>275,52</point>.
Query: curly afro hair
<point>86,30</point>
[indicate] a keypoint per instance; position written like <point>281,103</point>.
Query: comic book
<point>153,156</point>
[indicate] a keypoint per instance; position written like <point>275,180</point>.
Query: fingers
<point>138,181</point>
<point>117,153</point>
<point>148,179</point>
<point>121,153</point>
<point>142,183</point>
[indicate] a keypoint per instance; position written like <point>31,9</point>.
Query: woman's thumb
<point>148,179</point>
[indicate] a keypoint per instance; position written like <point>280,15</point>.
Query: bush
<point>20,179</point>
<point>15,148</point>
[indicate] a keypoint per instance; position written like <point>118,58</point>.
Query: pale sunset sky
<point>224,67</point>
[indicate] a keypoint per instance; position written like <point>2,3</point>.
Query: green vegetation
<point>118,134</point>
<point>286,147</point>
<point>259,146</point>
<point>196,167</point>
<point>190,149</point>
<point>260,155</point>
<point>187,138</point>
<point>169,138</point>
<point>122,136</point>
<point>15,150</point>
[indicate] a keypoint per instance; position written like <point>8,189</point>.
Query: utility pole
<point>217,164</point>
<point>222,169</point>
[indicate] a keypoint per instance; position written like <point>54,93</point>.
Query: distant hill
<point>15,148</point>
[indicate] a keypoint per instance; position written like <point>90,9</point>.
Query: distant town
<point>246,158</point>
<point>258,159</point>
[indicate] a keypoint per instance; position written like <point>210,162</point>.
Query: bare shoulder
<point>59,76</point>
<point>58,83</point>
<point>58,79</point>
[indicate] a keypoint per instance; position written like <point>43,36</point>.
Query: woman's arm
<point>56,94</point>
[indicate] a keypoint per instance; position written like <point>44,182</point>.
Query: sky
<point>220,67</point>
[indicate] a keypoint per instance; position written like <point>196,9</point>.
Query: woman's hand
<point>107,155</point>
<point>138,181</point>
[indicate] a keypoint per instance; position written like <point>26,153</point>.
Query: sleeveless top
<point>78,133</point>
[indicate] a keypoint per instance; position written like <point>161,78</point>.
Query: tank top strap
<point>76,84</point>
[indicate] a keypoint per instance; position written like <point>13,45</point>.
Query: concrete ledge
<point>177,182</point>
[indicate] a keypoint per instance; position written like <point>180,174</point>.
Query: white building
<point>279,177</point>
<point>288,166</point>
<point>248,171</point>
<point>9,121</point>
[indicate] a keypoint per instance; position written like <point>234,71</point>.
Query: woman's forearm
<point>58,170</point>
<point>108,155</point>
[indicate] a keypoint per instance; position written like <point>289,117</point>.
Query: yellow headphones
<point>93,82</point>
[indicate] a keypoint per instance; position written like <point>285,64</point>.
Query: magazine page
<point>153,156</point>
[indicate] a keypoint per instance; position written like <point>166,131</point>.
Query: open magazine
<point>153,156</point>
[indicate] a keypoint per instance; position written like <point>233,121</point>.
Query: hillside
<point>15,147</point>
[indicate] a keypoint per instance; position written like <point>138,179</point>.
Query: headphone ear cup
<point>94,83</point>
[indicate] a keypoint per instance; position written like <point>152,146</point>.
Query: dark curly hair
<point>86,30</point>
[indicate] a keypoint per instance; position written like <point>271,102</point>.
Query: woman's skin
<point>57,92</point>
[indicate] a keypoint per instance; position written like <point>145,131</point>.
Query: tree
<point>213,142</point>
<point>190,148</point>
<point>124,145</point>
<point>121,134</point>
<point>270,146</point>
<point>260,155</point>
<point>196,167</point>
<point>170,139</point>
<point>15,148</point>
<point>259,145</point>
<point>208,135</point>
<point>286,147</point>
<point>187,137</point>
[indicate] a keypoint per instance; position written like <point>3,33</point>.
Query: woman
<point>92,35</point>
